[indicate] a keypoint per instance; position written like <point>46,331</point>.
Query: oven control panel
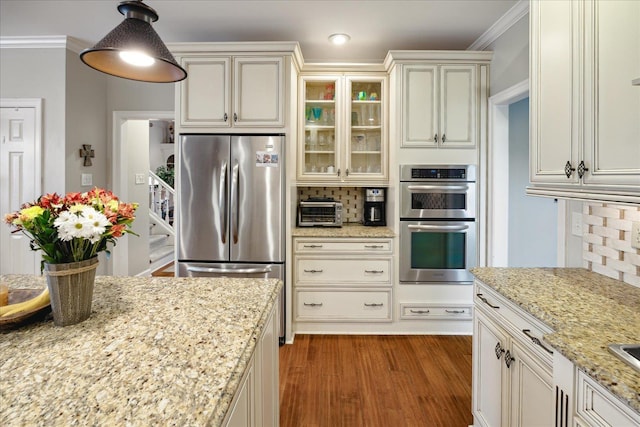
<point>437,173</point>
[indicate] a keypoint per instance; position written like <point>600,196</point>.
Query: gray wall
<point>510,63</point>
<point>40,73</point>
<point>532,220</point>
<point>86,123</point>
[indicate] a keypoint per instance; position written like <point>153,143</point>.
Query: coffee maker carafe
<point>374,207</point>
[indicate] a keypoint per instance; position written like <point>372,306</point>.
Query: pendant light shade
<point>133,50</point>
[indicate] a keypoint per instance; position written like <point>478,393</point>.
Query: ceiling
<point>375,26</point>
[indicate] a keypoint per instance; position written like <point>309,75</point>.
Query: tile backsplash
<point>352,199</point>
<point>606,241</point>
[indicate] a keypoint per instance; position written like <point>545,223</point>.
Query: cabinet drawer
<point>597,406</point>
<point>316,271</point>
<point>343,305</point>
<point>322,246</point>
<point>521,325</point>
<point>435,311</point>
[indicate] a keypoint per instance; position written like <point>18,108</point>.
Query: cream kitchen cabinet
<point>583,402</point>
<point>512,367</point>
<point>439,106</point>
<point>256,403</point>
<point>343,128</point>
<point>232,91</point>
<point>342,280</point>
<point>584,110</point>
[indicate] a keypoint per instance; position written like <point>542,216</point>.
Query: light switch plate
<point>635,234</point>
<point>139,178</point>
<point>576,224</point>
<point>86,179</point>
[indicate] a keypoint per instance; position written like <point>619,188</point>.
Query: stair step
<point>157,241</point>
<point>159,253</point>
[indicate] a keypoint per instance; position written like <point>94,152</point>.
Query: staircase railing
<point>161,202</point>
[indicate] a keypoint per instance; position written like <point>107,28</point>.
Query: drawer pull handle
<point>373,246</point>
<point>313,246</point>
<point>455,311</point>
<point>313,271</point>
<point>420,311</point>
<point>373,305</point>
<point>535,340</point>
<point>374,271</point>
<point>499,350</point>
<point>508,359</point>
<point>313,304</point>
<point>484,300</point>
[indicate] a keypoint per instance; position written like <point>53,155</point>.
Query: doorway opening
<point>131,167</point>
<point>520,230</point>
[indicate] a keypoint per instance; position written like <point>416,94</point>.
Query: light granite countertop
<point>155,351</point>
<point>587,312</point>
<point>347,230</point>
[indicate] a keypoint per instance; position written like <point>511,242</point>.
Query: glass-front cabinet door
<point>365,141</point>
<point>320,152</point>
<point>342,136</point>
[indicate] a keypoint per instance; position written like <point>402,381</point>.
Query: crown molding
<point>42,42</point>
<point>506,21</point>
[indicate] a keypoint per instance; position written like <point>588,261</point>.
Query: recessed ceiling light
<point>339,38</point>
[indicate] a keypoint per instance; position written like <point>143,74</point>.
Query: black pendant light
<point>133,50</point>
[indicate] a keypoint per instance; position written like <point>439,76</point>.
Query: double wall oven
<point>437,223</point>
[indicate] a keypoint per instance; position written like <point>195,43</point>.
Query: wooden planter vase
<point>71,290</point>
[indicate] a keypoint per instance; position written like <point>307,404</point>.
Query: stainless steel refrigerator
<point>231,207</point>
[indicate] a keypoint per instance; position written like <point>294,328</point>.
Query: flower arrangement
<point>75,227</point>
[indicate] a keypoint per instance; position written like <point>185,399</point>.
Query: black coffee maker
<point>374,207</point>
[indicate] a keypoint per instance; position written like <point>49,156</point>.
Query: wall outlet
<point>86,179</point>
<point>635,234</point>
<point>576,224</point>
<point>139,178</point>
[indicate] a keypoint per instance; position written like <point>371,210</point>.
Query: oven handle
<point>437,187</point>
<point>437,227</point>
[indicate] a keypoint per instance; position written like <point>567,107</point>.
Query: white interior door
<point>19,183</point>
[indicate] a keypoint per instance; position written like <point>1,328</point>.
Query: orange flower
<point>117,230</point>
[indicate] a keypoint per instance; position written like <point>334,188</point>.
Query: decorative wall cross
<point>87,153</point>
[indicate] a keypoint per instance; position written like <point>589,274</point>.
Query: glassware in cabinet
<point>320,155</point>
<point>366,126</point>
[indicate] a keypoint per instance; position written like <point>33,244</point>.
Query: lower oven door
<point>437,251</point>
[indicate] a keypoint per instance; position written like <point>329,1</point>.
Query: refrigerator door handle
<point>229,270</point>
<point>234,201</point>
<point>222,202</point>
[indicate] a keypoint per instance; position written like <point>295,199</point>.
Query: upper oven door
<point>438,200</point>
<point>437,251</point>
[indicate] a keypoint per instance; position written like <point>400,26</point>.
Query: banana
<point>30,304</point>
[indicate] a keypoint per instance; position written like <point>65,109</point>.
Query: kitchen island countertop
<point>352,230</point>
<point>155,351</point>
<point>587,312</point>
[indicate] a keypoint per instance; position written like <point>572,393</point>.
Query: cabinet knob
<point>374,271</point>
<point>499,350</point>
<point>568,170</point>
<point>235,117</point>
<point>338,172</point>
<point>435,138</point>
<point>444,138</point>
<point>226,117</point>
<point>508,359</point>
<point>313,271</point>
<point>346,172</point>
<point>582,169</point>
<point>373,305</point>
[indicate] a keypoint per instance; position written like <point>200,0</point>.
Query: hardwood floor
<point>370,381</point>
